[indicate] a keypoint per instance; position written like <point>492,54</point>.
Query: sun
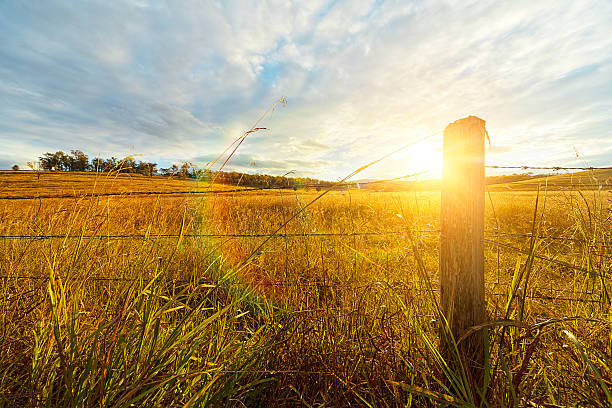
<point>426,158</point>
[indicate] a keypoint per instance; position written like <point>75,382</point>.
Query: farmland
<point>185,298</point>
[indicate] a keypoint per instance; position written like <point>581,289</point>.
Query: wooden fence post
<point>462,294</point>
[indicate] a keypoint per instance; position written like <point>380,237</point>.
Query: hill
<point>46,184</point>
<point>55,184</point>
<point>584,180</point>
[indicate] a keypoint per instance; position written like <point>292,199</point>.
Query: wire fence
<point>535,292</point>
<point>555,168</point>
<point>404,285</point>
<point>278,190</point>
<point>248,189</point>
<point>416,233</point>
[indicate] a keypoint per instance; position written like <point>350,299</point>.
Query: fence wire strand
<point>416,233</point>
<point>302,186</point>
<point>406,285</point>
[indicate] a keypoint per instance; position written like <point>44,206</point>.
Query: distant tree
<point>146,168</point>
<point>36,167</point>
<point>170,171</point>
<point>57,161</point>
<point>64,161</point>
<point>15,167</point>
<point>78,161</point>
<point>97,164</point>
<point>186,169</point>
<point>33,165</point>
<point>110,164</point>
<point>127,165</point>
<point>48,162</point>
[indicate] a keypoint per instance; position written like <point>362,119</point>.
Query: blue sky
<point>175,81</point>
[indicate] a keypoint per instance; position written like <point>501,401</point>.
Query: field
<point>185,298</point>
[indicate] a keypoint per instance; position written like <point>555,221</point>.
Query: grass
<point>600,179</point>
<point>561,180</point>
<point>321,315</point>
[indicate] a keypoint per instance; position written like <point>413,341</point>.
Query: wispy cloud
<point>254,163</point>
<point>179,81</point>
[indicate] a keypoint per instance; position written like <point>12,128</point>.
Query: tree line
<point>235,178</point>
<point>79,161</point>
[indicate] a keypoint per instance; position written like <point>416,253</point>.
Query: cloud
<point>498,149</point>
<point>6,163</point>
<point>312,144</point>
<point>182,80</point>
<point>253,163</point>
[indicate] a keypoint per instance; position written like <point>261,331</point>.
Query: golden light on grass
<point>165,317</point>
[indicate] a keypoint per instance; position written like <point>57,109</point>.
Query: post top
<point>470,120</point>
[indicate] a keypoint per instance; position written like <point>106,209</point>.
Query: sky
<point>179,81</point>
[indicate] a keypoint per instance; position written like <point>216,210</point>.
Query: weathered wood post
<point>462,295</point>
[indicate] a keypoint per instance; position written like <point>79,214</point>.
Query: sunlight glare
<point>426,157</point>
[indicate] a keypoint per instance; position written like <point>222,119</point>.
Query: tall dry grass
<point>311,318</point>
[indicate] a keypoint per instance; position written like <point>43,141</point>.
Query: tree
<point>33,165</point>
<point>146,168</point>
<point>79,161</point>
<point>170,171</point>
<point>186,169</point>
<point>36,167</point>
<point>64,161</point>
<point>109,164</point>
<point>57,161</point>
<point>127,165</point>
<point>48,162</point>
<point>97,164</point>
<point>15,167</point>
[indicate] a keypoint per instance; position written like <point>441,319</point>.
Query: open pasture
<point>189,299</point>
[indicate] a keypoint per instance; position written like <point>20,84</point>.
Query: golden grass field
<point>111,299</point>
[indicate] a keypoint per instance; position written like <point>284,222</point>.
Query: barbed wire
<point>174,236</point>
<point>429,286</point>
<point>411,285</point>
<point>417,234</point>
<point>556,261</point>
<point>323,184</point>
<point>351,283</point>
<point>339,188</point>
<point>527,167</point>
<point>131,193</point>
<point>413,233</point>
<point>572,187</point>
<point>555,294</point>
<point>494,233</point>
